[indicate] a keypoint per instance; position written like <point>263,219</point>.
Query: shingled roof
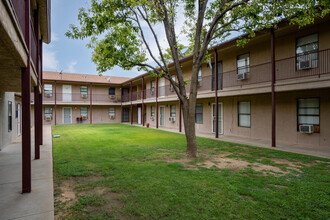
<point>78,77</point>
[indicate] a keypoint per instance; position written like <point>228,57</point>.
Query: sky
<point>67,55</point>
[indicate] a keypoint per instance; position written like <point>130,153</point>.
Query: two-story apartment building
<point>275,88</point>
<point>24,27</point>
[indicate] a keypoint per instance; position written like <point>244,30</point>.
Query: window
<point>83,111</point>
<point>171,86</point>
<point>152,111</point>
<point>306,52</point>
<point>84,90</point>
<point>244,114</point>
<point>172,111</point>
<point>152,85</point>
<point>112,111</point>
<point>199,78</point>
<point>10,116</point>
<point>199,114</point>
<point>48,113</point>
<point>309,112</point>
<point>112,91</point>
<point>48,90</point>
<point>243,63</point>
<point>16,111</point>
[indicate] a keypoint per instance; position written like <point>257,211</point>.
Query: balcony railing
<point>81,98</point>
<point>33,49</point>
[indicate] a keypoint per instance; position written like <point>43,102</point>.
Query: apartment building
<point>24,27</point>
<point>276,88</point>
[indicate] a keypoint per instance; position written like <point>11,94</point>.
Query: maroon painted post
<point>131,92</point>
<point>90,104</point>
<point>216,94</point>
<point>157,102</point>
<point>41,94</point>
<point>36,123</point>
<point>180,117</point>
<point>55,103</point>
<point>26,109</point>
<point>142,116</point>
<point>272,48</point>
<point>121,103</point>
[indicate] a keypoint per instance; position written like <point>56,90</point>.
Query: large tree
<point>126,33</point>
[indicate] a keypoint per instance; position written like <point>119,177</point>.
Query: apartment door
<point>161,87</point>
<point>162,115</point>
<point>139,115</point>
<point>125,115</point>
<point>67,115</point>
<point>220,118</point>
<point>67,95</point>
<point>18,119</point>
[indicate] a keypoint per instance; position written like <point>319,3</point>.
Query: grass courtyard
<point>124,172</point>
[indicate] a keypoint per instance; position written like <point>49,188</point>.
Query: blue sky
<point>64,54</point>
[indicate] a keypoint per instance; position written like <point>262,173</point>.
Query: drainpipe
<point>157,102</point>
<point>216,94</point>
<point>272,48</point>
<point>131,93</point>
<point>180,117</point>
<point>26,109</point>
<point>41,94</point>
<point>142,117</point>
<point>55,104</point>
<point>91,108</point>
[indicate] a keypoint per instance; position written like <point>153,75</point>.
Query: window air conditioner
<point>48,118</point>
<point>84,117</point>
<point>152,118</point>
<point>152,91</point>
<point>112,116</point>
<point>172,119</point>
<point>306,64</point>
<point>112,96</point>
<point>84,96</point>
<point>242,76</point>
<point>48,95</point>
<point>308,129</point>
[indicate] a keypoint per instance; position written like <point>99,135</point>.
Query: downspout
<point>91,107</point>
<point>216,94</point>
<point>157,102</point>
<point>131,93</point>
<point>142,116</point>
<point>272,48</point>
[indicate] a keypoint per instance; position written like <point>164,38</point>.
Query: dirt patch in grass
<point>70,191</point>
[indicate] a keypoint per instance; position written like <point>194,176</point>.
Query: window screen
<point>172,111</point>
<point>112,91</point>
<point>244,114</point>
<point>83,111</point>
<point>112,111</point>
<point>309,111</point>
<point>199,113</point>
<point>48,89</point>
<point>48,111</point>
<point>243,63</point>
<point>83,90</point>
<point>152,111</point>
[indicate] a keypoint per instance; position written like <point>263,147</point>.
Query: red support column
<point>180,116</point>
<point>36,123</point>
<point>131,92</point>
<point>90,104</point>
<point>142,116</point>
<point>272,48</point>
<point>157,102</point>
<point>55,102</point>
<point>26,110</point>
<point>216,94</point>
<point>121,103</point>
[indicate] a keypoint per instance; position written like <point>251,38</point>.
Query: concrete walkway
<point>39,204</point>
<point>300,149</point>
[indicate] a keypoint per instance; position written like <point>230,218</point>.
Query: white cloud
<point>54,37</point>
<point>50,61</point>
<point>71,66</point>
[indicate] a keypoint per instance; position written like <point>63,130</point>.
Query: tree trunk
<point>189,126</point>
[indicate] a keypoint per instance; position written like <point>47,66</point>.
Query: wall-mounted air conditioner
<point>48,118</point>
<point>172,119</point>
<point>84,96</point>
<point>84,117</point>
<point>303,65</point>
<point>112,117</point>
<point>48,95</point>
<point>152,118</point>
<point>112,96</point>
<point>242,76</point>
<point>308,129</point>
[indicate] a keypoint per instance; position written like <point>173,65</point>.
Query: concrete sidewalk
<point>300,149</point>
<point>39,204</point>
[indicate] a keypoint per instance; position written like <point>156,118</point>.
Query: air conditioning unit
<point>199,83</point>
<point>308,129</point>
<point>48,95</point>
<point>306,64</point>
<point>48,118</point>
<point>171,88</point>
<point>84,117</point>
<point>172,119</point>
<point>84,96</point>
<point>112,96</point>
<point>242,76</point>
<point>152,91</point>
<point>112,116</point>
<point>152,118</point>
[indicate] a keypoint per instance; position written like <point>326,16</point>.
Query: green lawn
<point>124,172</point>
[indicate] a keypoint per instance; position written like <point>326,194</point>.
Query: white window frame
<point>48,90</point>
<point>240,113</point>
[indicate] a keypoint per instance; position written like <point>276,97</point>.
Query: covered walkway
<point>39,204</point>
<point>300,149</point>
